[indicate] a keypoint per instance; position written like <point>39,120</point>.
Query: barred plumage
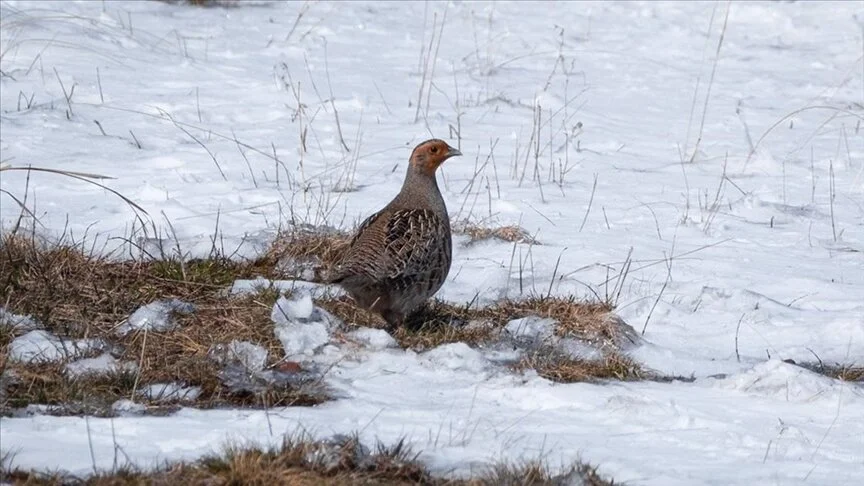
<point>401,255</point>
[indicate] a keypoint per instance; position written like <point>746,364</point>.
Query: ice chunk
<point>256,285</point>
<point>374,339</point>
<point>532,329</point>
<point>102,364</point>
<point>170,392</point>
<point>302,339</point>
<point>17,322</point>
<point>127,407</point>
<point>301,327</point>
<point>251,357</point>
<point>155,316</point>
<point>578,349</point>
<point>42,346</point>
<point>301,309</point>
<point>291,310</point>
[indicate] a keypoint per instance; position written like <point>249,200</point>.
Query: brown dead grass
<point>79,295</point>
<point>306,248</point>
<point>563,369</point>
<point>76,295</point>
<point>305,462</point>
<point>536,473</point>
<point>440,322</point>
<point>838,371</point>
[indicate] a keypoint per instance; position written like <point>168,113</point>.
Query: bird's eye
<point>434,150</point>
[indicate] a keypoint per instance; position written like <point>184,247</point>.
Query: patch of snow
<point>42,346</point>
<point>242,286</point>
<point>456,357</point>
<point>578,349</point>
<point>300,326</point>
<point>170,392</point>
<point>251,357</point>
<point>785,381</point>
<point>16,322</point>
<point>125,407</point>
<point>373,339</point>
<point>296,309</point>
<point>156,316</point>
<point>532,329</point>
<point>102,364</point>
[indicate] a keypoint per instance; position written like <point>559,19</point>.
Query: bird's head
<point>427,156</point>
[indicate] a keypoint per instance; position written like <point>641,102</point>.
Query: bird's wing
<point>417,239</point>
<point>398,244</point>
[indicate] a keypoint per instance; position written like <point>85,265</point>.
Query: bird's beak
<point>453,152</point>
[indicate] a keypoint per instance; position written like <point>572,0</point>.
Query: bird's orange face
<point>430,154</point>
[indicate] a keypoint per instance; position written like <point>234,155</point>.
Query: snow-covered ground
<point>738,185</point>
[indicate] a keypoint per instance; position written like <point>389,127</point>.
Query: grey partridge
<point>400,255</point>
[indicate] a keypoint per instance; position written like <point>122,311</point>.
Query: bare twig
<point>831,195</point>
<point>590,201</point>
<point>89,178</point>
<point>711,81</point>
<point>199,142</point>
<point>663,288</point>
<point>99,83</point>
<point>66,95</point>
<point>333,101</point>
<point>737,329</point>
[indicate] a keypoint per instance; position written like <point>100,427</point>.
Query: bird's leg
<point>394,320</point>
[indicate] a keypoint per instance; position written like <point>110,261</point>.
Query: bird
<point>400,256</point>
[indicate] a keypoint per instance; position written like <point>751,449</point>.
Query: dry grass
<point>312,251</point>
<point>510,233</point>
<point>439,322</point>
<point>76,295</point>
<point>306,252</point>
<point>535,473</point>
<point>844,372</point>
<point>563,369</point>
<point>303,461</point>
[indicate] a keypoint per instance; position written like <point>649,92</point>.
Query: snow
<point>155,316</point>
<point>373,339</point>
<point>9,320</point>
<point>250,356</point>
<point>169,392</point>
<point>42,346</point>
<point>532,329</point>
<point>244,287</point>
<point>102,364</point>
<point>300,326</point>
<point>127,407</point>
<point>744,213</point>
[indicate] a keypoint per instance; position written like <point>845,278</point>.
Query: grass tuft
<point>77,295</point>
<point>306,252</point>
<point>557,367</point>
<point>535,473</point>
<point>300,460</point>
<point>844,372</point>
